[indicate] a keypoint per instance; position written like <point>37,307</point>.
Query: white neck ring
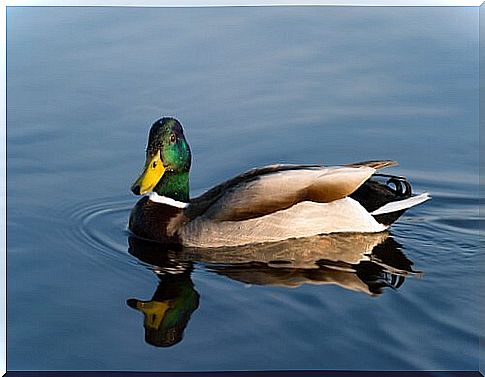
<point>154,197</point>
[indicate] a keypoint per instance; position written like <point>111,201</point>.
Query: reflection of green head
<point>168,312</point>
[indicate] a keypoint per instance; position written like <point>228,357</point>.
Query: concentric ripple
<point>99,227</point>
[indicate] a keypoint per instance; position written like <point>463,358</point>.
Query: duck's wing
<point>376,164</point>
<point>262,191</point>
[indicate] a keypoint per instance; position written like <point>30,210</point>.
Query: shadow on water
<point>366,263</point>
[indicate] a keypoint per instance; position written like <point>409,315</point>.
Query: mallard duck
<point>266,204</point>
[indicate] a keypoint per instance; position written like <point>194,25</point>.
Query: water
<point>252,86</point>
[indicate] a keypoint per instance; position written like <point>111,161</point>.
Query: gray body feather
<point>278,202</point>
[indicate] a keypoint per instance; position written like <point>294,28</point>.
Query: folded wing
<point>278,187</point>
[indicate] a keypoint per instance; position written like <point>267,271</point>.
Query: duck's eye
<point>173,138</point>
<point>154,164</point>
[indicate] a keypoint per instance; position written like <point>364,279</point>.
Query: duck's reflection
<point>167,313</point>
<point>360,262</point>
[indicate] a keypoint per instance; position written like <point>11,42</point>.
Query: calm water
<point>252,86</point>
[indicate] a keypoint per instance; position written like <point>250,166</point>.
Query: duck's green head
<point>168,160</point>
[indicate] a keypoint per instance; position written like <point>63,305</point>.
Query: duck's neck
<point>174,186</point>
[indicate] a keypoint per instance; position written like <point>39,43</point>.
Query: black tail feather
<point>381,189</point>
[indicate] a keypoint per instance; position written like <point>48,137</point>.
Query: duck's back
<point>279,202</point>
<point>273,188</point>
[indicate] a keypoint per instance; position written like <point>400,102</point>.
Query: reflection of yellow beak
<point>152,173</point>
<point>154,311</point>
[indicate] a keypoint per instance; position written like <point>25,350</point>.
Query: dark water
<point>252,86</point>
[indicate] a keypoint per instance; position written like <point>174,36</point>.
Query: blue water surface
<point>252,86</point>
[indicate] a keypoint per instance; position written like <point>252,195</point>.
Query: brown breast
<point>155,221</point>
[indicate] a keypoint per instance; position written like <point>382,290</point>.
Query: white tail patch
<point>402,204</point>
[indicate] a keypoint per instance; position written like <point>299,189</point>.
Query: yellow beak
<point>152,173</point>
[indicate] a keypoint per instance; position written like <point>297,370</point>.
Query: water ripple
<point>101,226</point>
